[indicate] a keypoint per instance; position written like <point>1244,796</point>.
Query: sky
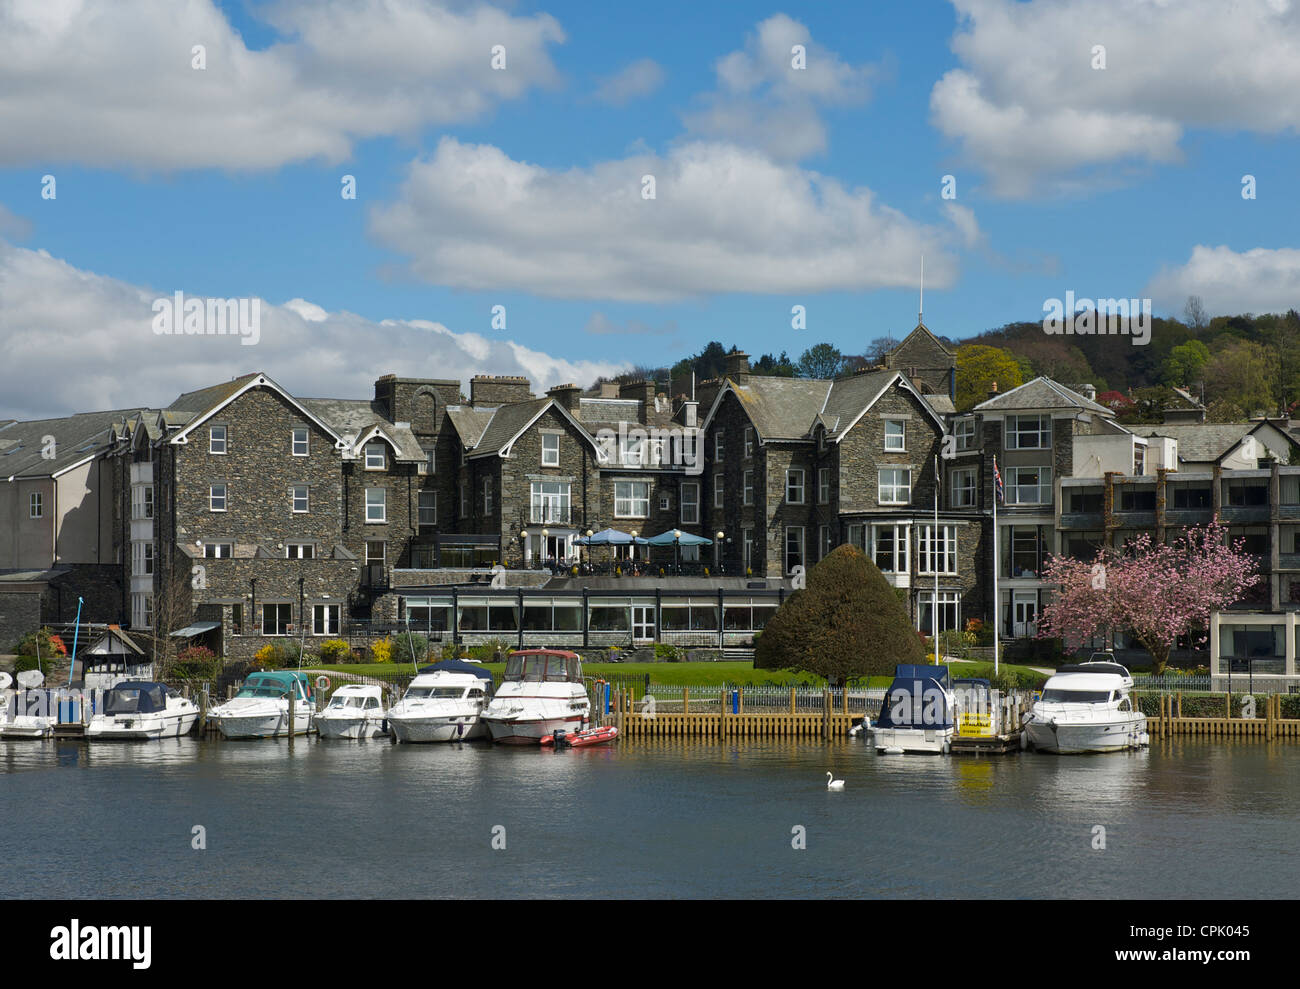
<point>566,190</point>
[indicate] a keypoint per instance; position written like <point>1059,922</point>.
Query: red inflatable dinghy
<point>592,736</point>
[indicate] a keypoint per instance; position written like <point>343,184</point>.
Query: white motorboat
<point>542,692</point>
<point>1087,707</point>
<point>444,703</point>
<point>34,714</point>
<point>261,708</point>
<point>919,712</point>
<point>138,710</point>
<point>355,711</point>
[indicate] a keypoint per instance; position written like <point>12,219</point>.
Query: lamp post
<point>677,551</point>
<point>717,550</point>
<point>523,538</point>
<point>589,535</point>
<point>635,533</point>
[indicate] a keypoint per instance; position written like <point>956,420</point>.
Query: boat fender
<point>323,683</point>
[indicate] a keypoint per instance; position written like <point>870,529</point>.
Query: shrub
<point>274,655</point>
<point>381,651</point>
<point>848,621</point>
<point>195,663</point>
<point>52,646</point>
<point>486,652</point>
<point>404,643</point>
<point>336,651</point>
<point>666,653</point>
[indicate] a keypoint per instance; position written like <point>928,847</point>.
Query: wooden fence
<point>726,717</point>
<point>1169,721</point>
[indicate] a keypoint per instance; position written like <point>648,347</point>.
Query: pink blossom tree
<point>1154,591</point>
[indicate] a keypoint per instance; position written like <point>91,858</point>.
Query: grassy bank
<point>695,674</point>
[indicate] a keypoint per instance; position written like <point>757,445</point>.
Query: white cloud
<point>638,79</point>
<point>764,101</point>
<point>1229,282</point>
<point>601,325</point>
<point>112,83</point>
<point>78,341</point>
<point>725,219</point>
<point>1029,109</point>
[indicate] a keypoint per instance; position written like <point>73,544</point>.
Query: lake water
<point>1185,819</point>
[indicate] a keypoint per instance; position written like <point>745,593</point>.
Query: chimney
<point>737,367</point>
<point>498,389</point>
<point>566,396</point>
<point>417,401</point>
<point>609,389</point>
<point>1089,392</point>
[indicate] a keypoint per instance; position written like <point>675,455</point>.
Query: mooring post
<point>203,710</point>
<point>291,699</point>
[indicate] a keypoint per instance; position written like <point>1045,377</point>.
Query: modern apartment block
<point>241,514</point>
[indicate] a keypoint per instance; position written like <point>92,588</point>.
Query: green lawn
<point>692,674</point>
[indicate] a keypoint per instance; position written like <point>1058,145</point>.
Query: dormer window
<point>375,457</point>
<point>217,439</point>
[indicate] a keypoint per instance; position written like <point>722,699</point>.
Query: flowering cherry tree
<point>1154,591</point>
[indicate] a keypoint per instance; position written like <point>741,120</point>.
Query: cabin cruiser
<point>355,711</point>
<point>542,692</point>
<point>140,709</point>
<point>1087,707</point>
<point>261,708</point>
<point>918,713</point>
<point>27,712</point>
<point>444,703</point>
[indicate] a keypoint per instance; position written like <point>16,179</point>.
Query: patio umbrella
<point>675,538</point>
<point>610,537</point>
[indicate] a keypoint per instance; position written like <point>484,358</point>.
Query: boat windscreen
<point>134,700</point>
<point>514,668</point>
<point>1057,695</point>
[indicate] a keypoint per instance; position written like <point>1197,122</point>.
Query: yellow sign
<point>976,725</point>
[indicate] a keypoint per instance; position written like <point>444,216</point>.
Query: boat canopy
<point>917,698</point>
<point>549,665</point>
<point>1113,668</point>
<point>275,684</point>
<point>136,697</point>
<point>458,666</point>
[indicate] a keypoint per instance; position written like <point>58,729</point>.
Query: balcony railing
<point>1188,516</point>
<point>1081,520</point>
<point>549,515</point>
<point>1244,513</point>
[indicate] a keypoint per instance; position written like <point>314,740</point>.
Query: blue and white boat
<point>138,710</point>
<point>919,712</point>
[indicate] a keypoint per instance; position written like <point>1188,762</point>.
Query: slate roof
<point>850,396</point>
<point>355,417</point>
<point>76,437</point>
<point>506,423</point>
<point>1041,393</point>
<point>200,401</point>
<point>469,423</point>
<point>1203,442</point>
<point>782,408</point>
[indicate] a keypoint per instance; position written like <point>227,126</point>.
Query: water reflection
<point>656,818</point>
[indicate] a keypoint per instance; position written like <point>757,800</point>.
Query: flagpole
<point>997,600</point>
<point>934,555</point>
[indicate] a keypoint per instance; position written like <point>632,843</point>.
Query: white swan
<point>832,783</point>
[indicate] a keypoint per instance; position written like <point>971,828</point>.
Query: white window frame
<point>690,503</point>
<point>422,508</point>
<point>823,485</point>
<point>946,547</point>
<point>719,444</point>
<point>635,494</point>
<point>749,488</point>
<point>549,503</point>
<point>894,486</point>
<point>299,551</point>
<point>213,551</point>
<point>550,449</point>
<point>36,505</point>
<point>381,504</point>
<point>631,451</point>
<point>718,491</point>
<point>487,496</point>
<point>796,531</point>
<point>792,487</point>
<point>1017,427</point>
<point>963,431</point>
<point>1015,488</point>
<point>899,558</point>
<point>963,495</point>
<point>213,497</point>
<point>900,436</point>
<point>277,605</point>
<point>306,441</point>
<point>747,548</point>
<point>749,442</point>
<point>306,498</point>
<point>224,441</point>
<point>383,455</point>
<point>825,540</point>
<point>330,614</point>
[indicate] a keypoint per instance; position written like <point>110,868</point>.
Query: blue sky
<point>478,189</point>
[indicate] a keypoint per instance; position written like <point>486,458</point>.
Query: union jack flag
<point>998,490</point>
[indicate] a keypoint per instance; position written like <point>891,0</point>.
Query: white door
<point>643,623</point>
<point>1025,615</point>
